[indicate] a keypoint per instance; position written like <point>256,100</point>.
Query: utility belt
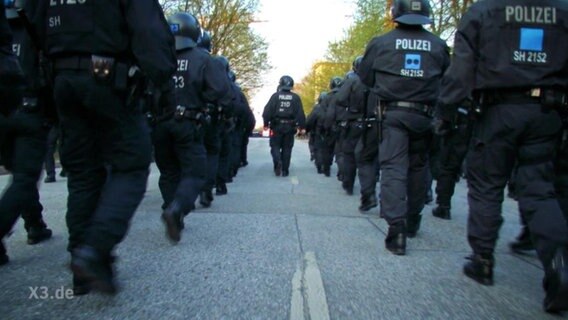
<point>104,69</point>
<point>196,115</point>
<point>29,105</point>
<point>341,123</point>
<point>544,96</point>
<point>285,121</point>
<point>407,105</point>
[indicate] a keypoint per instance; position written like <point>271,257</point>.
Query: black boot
<point>480,268</point>
<point>92,270</point>
<point>395,241</point>
<point>38,233</point>
<point>285,173</point>
<point>320,170</point>
<point>3,256</point>
<point>221,189</point>
<point>442,212</point>
<point>172,218</point>
<point>413,225</point>
<point>278,169</point>
<point>368,202</point>
<point>205,199</point>
<point>523,243</point>
<point>556,283</point>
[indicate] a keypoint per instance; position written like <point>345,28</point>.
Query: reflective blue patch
<point>174,27</point>
<point>412,61</point>
<point>9,3</point>
<point>532,39</point>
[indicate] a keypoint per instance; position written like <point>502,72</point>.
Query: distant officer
<point>178,142</point>
<point>250,123</point>
<point>23,146</point>
<point>336,124</point>
<point>404,67</point>
<point>228,124</point>
<point>453,150</point>
<point>367,153</point>
<point>512,58</point>
<point>352,98</point>
<point>326,127</point>
<point>106,147</point>
<point>284,114</point>
<point>241,116</point>
<point>312,130</point>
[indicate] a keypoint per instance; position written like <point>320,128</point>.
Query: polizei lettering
<point>526,14</point>
<point>413,44</point>
<point>285,97</point>
<point>183,65</point>
<point>54,3</point>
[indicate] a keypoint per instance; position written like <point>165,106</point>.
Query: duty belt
<point>72,63</point>
<point>285,121</point>
<point>532,95</point>
<point>409,105</point>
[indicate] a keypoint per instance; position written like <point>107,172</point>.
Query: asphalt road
<point>274,248</point>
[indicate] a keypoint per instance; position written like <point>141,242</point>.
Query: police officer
<point>283,113</point>
<point>23,148</point>
<point>211,135</point>
<point>326,126</point>
<point>106,149</point>
<point>180,153</point>
<point>352,102</point>
<point>249,124</point>
<point>404,67</point>
<point>511,57</point>
<point>453,150</point>
<point>367,152</point>
<point>312,130</point>
<point>228,123</point>
<point>241,116</point>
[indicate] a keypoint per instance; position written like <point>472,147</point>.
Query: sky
<point>298,33</point>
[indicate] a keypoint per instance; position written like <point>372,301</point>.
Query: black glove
<point>441,127</point>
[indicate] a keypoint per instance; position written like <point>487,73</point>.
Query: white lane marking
<point>315,292</point>
<point>297,308</point>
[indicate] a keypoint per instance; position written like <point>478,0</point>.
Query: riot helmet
<point>186,30</point>
<point>205,41</point>
<point>12,7</point>
<point>411,12</point>
<point>232,76</point>
<point>286,83</point>
<point>322,96</point>
<point>350,74</point>
<point>224,62</point>
<point>357,63</point>
<point>335,82</point>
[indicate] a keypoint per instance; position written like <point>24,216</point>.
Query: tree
<point>228,22</point>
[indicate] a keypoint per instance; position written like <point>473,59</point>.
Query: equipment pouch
<point>102,68</point>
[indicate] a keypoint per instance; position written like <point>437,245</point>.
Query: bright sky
<point>298,32</point>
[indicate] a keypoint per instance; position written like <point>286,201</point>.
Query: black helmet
<point>205,41</point>
<point>322,96</point>
<point>286,83</point>
<point>232,76</point>
<point>350,74</point>
<point>225,62</point>
<point>186,30</point>
<point>357,63</point>
<point>412,12</point>
<point>12,7</point>
<point>335,82</point>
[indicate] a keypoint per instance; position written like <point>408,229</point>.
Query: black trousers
<point>23,155</point>
<point>106,151</point>
<point>403,155</point>
<point>281,144</point>
<point>212,143</point>
<point>326,146</point>
<point>182,161</point>
<point>244,146</point>
<point>450,158</point>
<point>224,155</point>
<point>52,138</point>
<point>352,135</point>
<point>505,134</point>
<point>368,153</point>
<point>236,138</point>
